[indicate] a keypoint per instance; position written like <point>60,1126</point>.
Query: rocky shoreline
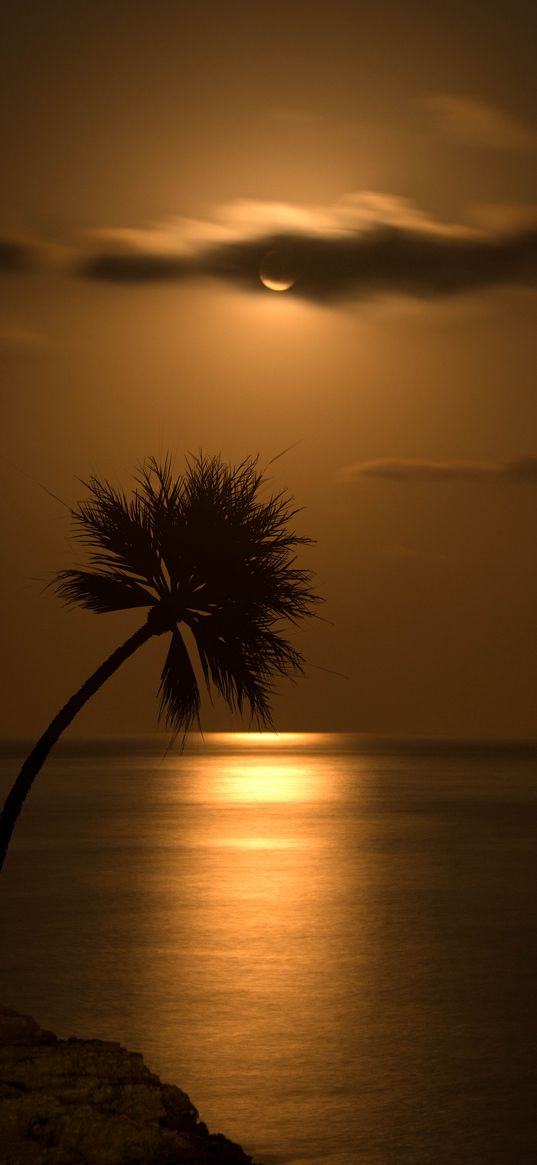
<point>91,1102</point>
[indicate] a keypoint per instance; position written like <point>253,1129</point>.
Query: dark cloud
<point>523,470</point>
<point>337,267</point>
<point>15,256</point>
<point>136,267</point>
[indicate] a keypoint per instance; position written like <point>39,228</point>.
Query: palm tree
<point>201,549</point>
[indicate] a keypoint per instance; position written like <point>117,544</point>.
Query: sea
<point>328,941</point>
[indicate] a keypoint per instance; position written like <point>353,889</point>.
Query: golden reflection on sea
<point>249,916</point>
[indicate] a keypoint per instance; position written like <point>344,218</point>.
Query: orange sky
<point>150,152</point>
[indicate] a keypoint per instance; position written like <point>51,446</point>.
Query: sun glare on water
<point>264,767</point>
<point>253,768</point>
<point>269,740</point>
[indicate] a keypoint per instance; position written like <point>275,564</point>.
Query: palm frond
<point>101,591</point>
<point>241,657</point>
<point>178,691</point>
<point>118,532</point>
<point>225,538</point>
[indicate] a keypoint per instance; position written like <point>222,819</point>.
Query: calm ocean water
<point>328,942</point>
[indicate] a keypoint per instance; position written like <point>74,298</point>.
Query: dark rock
<point>90,1102</point>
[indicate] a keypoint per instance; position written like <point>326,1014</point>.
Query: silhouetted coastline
<point>65,1101</point>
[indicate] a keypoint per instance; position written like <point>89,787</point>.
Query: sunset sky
<point>153,154</point>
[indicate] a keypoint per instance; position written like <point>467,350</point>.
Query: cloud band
<point>365,245</point>
<point>522,470</point>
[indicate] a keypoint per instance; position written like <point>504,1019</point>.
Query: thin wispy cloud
<point>16,335</point>
<point>522,470</point>
<point>310,121</point>
<point>400,552</point>
<point>477,123</point>
<point>294,115</point>
<point>362,246</point>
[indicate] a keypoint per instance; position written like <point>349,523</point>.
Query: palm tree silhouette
<point>203,549</point>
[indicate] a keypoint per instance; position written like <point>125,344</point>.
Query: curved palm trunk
<point>19,791</point>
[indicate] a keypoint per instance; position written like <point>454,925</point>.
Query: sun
<point>276,284</point>
<point>276,272</point>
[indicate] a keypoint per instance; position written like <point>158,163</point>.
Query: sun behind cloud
<point>276,271</point>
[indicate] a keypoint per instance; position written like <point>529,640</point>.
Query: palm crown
<point>206,550</point>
